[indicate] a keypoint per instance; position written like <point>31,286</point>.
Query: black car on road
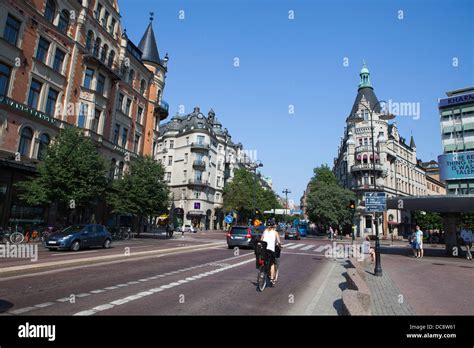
<point>242,236</point>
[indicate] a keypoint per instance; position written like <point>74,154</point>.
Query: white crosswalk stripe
<point>286,245</point>
<point>308,247</point>
<point>295,246</point>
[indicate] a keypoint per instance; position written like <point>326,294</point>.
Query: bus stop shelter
<point>449,207</point>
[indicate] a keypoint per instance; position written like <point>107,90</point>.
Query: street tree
<point>428,220</point>
<point>142,191</point>
<point>327,201</point>
<point>71,175</point>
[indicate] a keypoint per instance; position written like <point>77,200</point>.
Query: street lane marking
<point>42,305</point>
<point>308,247</point>
<point>98,291</point>
<point>295,246</point>
<point>154,290</point>
<point>320,248</point>
<point>75,254</point>
<point>286,245</point>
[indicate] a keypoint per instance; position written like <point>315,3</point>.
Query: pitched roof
<point>148,46</point>
<point>370,97</point>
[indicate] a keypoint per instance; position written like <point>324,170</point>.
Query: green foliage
<point>327,201</point>
<point>428,220</point>
<point>239,195</point>
<point>142,191</point>
<point>72,169</point>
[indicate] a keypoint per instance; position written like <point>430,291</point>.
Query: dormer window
<point>50,11</point>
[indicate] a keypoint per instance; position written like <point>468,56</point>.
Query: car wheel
<point>230,247</point>
<point>107,244</point>
<point>76,245</point>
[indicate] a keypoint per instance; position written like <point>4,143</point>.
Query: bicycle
<point>121,234</point>
<point>263,264</point>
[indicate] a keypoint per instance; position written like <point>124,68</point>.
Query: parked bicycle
<point>122,233</point>
<point>263,264</point>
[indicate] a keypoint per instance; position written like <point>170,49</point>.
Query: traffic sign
<point>375,202</point>
<point>229,219</point>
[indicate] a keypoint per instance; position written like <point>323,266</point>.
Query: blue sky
<point>300,62</point>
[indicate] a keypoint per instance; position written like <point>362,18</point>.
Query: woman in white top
<point>271,237</point>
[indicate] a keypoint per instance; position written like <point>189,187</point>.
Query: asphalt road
<point>194,275</point>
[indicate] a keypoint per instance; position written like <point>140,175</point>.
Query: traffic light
<point>352,205</point>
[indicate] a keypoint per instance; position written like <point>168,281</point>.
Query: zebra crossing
<point>304,247</point>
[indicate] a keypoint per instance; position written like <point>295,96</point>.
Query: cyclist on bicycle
<point>272,238</point>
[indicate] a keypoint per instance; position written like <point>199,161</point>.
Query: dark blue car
<point>76,237</point>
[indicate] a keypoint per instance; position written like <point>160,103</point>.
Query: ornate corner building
<point>70,63</point>
<point>199,156</point>
<point>397,172</point>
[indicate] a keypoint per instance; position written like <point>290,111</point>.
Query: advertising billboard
<point>456,166</point>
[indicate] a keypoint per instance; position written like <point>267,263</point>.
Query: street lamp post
<point>257,164</point>
<point>286,191</point>
<point>356,119</point>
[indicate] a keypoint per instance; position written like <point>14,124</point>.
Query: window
<point>170,160</point>
<point>63,23</point>
<point>111,59</point>
<point>139,115</point>
<point>42,51</point>
<point>98,12</point>
<point>44,141</point>
<point>96,121</point>
<point>136,144</point>
<point>120,170</point>
<point>127,106</point>
<point>131,76</point>
<point>187,140</point>
<point>218,197</point>
<point>112,26</point>
<point>116,133</point>
<point>25,141</point>
<point>50,10</point>
<point>83,110</point>
<point>142,87</point>
<point>35,90</point>
<point>51,101</point>
<point>157,122</point>
<point>58,60</point>
<point>100,84</point>
<point>198,176</point>
<point>120,102</point>
<point>158,97</point>
<point>113,163</point>
<point>97,44</point>
<point>168,176</point>
<point>185,175</point>
<point>185,158</point>
<point>197,194</point>
<point>124,137</point>
<point>171,144</point>
<point>103,53</point>
<point>105,20</point>
<point>218,181</point>
<point>89,39</point>
<point>200,139</point>
<point>88,78</point>
<point>12,29</point>
<point>4,78</point>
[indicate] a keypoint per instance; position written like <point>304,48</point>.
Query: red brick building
<point>69,62</point>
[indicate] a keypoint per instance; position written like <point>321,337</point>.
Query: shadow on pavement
<point>5,306</point>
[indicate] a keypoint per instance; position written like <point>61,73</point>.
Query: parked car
<point>242,236</point>
<point>76,237</point>
<point>292,233</point>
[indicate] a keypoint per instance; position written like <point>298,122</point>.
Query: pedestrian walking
<point>419,242</point>
<point>411,240</point>
<point>331,233</point>
<point>467,239</point>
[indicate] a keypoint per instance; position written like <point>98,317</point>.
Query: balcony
<point>200,165</point>
<point>367,167</point>
<point>162,110</point>
<point>363,148</point>
<point>199,147</point>
<point>198,182</point>
<point>103,57</point>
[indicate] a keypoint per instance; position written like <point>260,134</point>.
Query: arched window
<point>104,53</point>
<point>120,170</point>
<point>89,39</point>
<point>63,23</point>
<point>112,168</point>
<point>131,76</point>
<point>43,145</point>
<point>97,44</point>
<point>50,10</point>
<point>25,141</point>
<point>142,87</point>
<point>111,58</point>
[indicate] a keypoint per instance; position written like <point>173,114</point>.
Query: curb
<point>356,298</point>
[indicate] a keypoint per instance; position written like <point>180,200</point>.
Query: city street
<point>196,274</point>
